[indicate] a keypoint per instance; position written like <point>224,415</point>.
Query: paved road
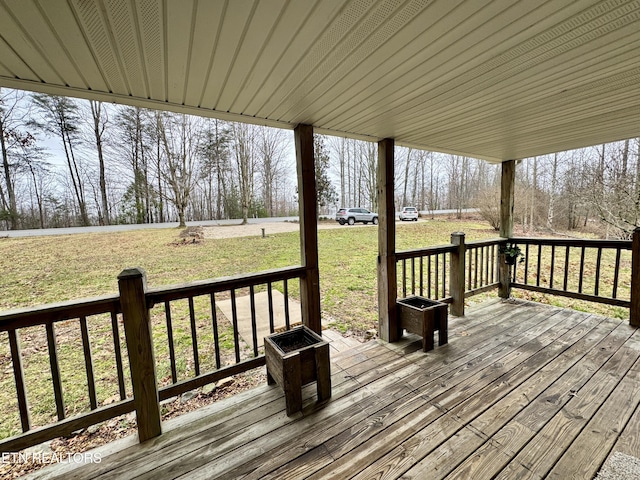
<point>122,228</point>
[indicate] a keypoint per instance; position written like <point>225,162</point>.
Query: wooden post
<point>137,328</point>
<point>634,310</point>
<point>307,201</point>
<point>388,325</point>
<point>507,187</point>
<point>456,275</point>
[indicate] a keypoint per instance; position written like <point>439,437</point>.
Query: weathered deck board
<point>521,391</point>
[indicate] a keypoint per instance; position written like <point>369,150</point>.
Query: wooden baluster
<point>483,276</point>
<point>118,354</point>
<point>596,289</point>
<point>475,268</point>
<point>270,302</point>
<point>421,276</point>
<point>494,263</point>
<point>566,267</point>
<point>287,318</point>
<point>18,375</point>
<point>234,321</point>
<point>437,284</point>
<point>429,276</point>
<point>194,337</point>
<point>413,276</point>
<point>444,275</point>
<point>526,264</point>
<point>616,274</point>
<point>254,326</point>
<point>581,277</point>
<point>172,349</point>
<point>553,265</point>
<point>214,326</point>
<point>539,264</point>
<point>469,262</point>
<point>88,363</point>
<point>404,277</point>
<point>55,370</point>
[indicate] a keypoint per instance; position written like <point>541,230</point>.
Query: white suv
<point>409,213</point>
<point>353,215</point>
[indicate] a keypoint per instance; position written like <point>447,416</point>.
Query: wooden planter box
<point>295,358</point>
<point>422,316</point>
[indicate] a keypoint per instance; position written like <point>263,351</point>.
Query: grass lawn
<point>42,270</point>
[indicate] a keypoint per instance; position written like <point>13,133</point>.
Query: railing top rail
<point>204,287</point>
<point>486,243</point>
<point>421,252</point>
<point>57,312</point>
<point>574,242</point>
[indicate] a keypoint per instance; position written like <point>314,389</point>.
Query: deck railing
<point>450,273</point>
<point>600,271</point>
<point>592,270</point>
<point>142,320</point>
<point>51,318</point>
<point>425,272</point>
<point>482,273</point>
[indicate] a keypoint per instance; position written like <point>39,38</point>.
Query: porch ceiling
<point>497,79</point>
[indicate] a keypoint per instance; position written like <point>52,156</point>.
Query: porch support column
<point>307,206</point>
<point>507,186</point>
<point>388,325</point>
<point>634,311</point>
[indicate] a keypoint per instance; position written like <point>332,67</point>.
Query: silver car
<point>353,215</point>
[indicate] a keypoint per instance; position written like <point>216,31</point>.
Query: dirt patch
<point>193,232</point>
<point>256,229</point>
<point>190,236</point>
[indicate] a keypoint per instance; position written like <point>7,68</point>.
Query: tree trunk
<point>406,178</point>
<point>13,208</point>
<point>552,192</point>
<point>534,187</point>
<point>98,130</point>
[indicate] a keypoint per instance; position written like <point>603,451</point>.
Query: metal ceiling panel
<point>290,51</point>
<point>72,40</point>
<point>234,33</point>
<point>27,45</point>
<point>493,79</point>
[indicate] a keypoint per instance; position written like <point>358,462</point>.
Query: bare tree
<point>325,193</point>
<point>133,146</point>
<point>8,104</point>
<point>59,117</point>
<point>180,136</point>
<point>272,148</point>
<point>100,121</point>
<point>215,168</point>
<point>244,138</point>
<point>552,191</point>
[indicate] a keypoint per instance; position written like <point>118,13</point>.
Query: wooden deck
<point>521,391</point>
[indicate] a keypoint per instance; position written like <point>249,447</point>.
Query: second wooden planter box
<point>422,316</point>
<point>295,358</point>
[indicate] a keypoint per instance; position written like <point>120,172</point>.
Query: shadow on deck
<point>522,390</point>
